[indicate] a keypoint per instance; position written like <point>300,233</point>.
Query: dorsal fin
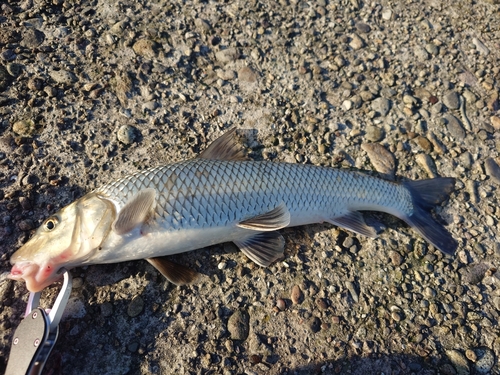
<point>224,148</point>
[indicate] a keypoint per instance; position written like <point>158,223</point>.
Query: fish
<point>220,196</point>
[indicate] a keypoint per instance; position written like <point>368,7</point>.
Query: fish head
<point>64,240</point>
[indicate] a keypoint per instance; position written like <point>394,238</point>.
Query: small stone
<point>356,42</point>
<point>374,133</point>
<point>454,126</point>
<point>145,48</point>
<point>127,134</point>
<point>321,303</point>
<point>451,100</point>
<point>227,55</point>
<point>202,25</point>
<point>432,49</point>
<point>381,158</point>
<point>396,258</point>
<point>386,14</point>
<point>135,307</point>
<point>396,316</point>
<point>238,325</point>
<point>363,27</point>
<point>471,355</point>
<point>458,361</point>
<point>107,309</point>
<point>492,169</point>
<point>381,106</point>
<point>132,347</point>
<point>421,53</point>
<point>297,296</point>
<point>495,122</point>
<point>347,105</point>
<point>24,127</point>
<point>32,38</point>
<point>485,360</point>
<point>26,225</point>
<point>281,304</point>
<point>427,164</point>
<point>63,77</point>
<point>352,290</point>
<point>480,47</point>
<point>247,74</point>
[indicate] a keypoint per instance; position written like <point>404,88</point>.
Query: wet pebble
<point>451,100</point>
<point>381,158</point>
<point>127,134</point>
<point>297,296</point>
<point>135,307</point>
<point>238,325</point>
<point>492,169</point>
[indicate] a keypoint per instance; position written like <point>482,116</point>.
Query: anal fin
<point>275,219</point>
<point>136,211</point>
<point>175,273</point>
<point>353,220</point>
<point>263,248</point>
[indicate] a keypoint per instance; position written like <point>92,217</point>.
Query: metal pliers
<point>37,333</point>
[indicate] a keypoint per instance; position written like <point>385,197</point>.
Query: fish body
<point>215,198</point>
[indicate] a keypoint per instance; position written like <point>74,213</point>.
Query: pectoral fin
<point>175,273</point>
<point>353,220</point>
<point>135,212</point>
<point>273,220</point>
<point>263,248</point>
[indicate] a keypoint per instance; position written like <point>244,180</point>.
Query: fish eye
<point>50,223</point>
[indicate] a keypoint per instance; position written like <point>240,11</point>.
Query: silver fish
<point>218,197</point>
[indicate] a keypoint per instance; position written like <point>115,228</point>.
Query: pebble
<point>381,106</point>
<point>247,74</point>
<point>321,303</point>
<point>374,133</point>
<point>238,325</point>
<point>106,309</point>
<point>454,126</point>
<point>356,42</point>
<point>227,55</point>
<point>481,47</point>
<point>396,258</point>
<point>24,127</point>
<point>32,38</point>
<point>485,360</point>
<point>135,307</point>
<point>297,296</point>
<point>386,14</point>
<point>421,53</point>
<point>281,304</point>
<point>432,49</point>
<point>493,170</point>
<point>451,100</point>
<point>145,48</point>
<point>127,134</point>
<point>63,77</point>
<point>427,163</point>
<point>352,290</point>
<point>459,361</point>
<point>495,122</point>
<point>382,159</point>
<point>26,225</point>
<point>363,27</point>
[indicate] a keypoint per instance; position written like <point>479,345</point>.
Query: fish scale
<point>211,203</point>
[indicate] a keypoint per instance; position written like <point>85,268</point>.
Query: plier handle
<point>37,333</point>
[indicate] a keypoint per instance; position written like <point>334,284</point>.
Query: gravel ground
<point>91,90</point>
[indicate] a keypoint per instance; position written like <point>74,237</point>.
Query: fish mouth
<point>36,277</point>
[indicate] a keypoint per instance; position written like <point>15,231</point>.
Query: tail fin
<point>425,195</point>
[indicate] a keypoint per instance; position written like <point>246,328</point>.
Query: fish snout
<point>36,277</point>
